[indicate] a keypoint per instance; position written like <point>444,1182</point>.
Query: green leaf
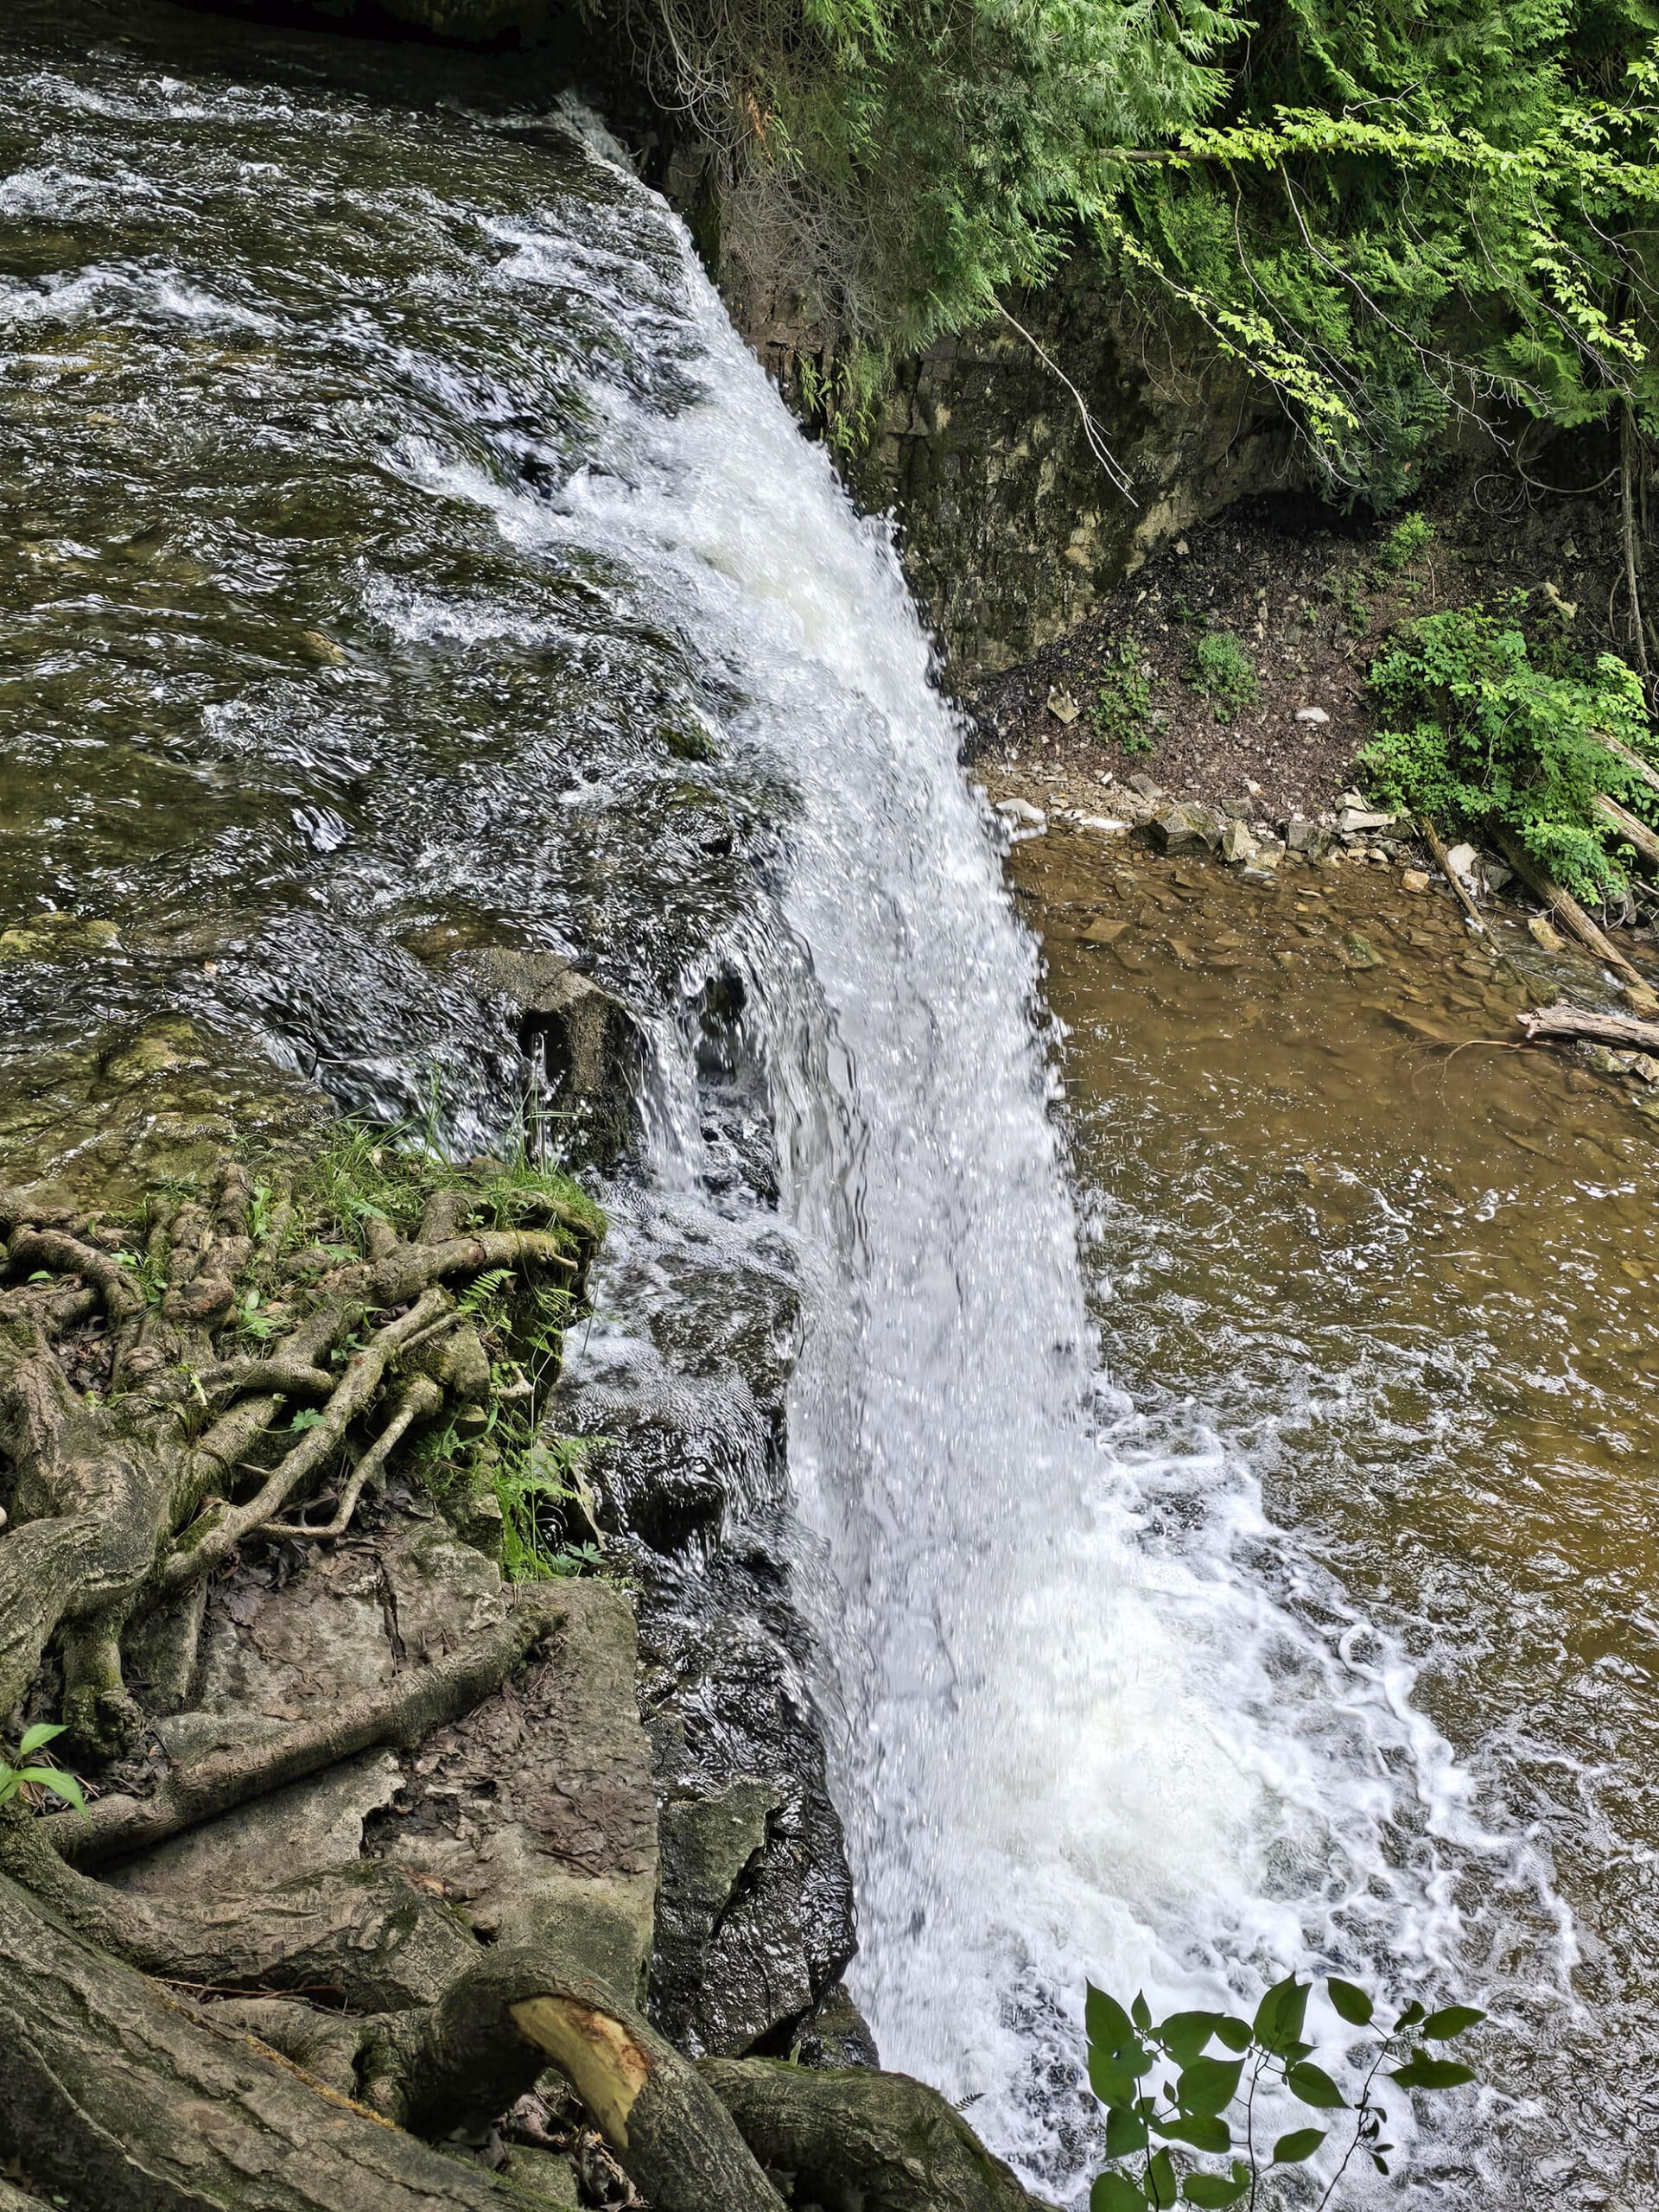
<point>60,1784</point>
<point>1116,2193</point>
<point>1302,2142</point>
<point>1107,2022</point>
<point>1208,2084</point>
<point>1439,2027</point>
<point>1160,2180</point>
<point>1126,2133</point>
<point>1421,2073</point>
<point>1314,2087</point>
<point>1352,2005</point>
<point>1409,2018</point>
<point>1232,2032</point>
<point>309,1419</point>
<point>1110,2079</point>
<point>1184,2034</point>
<point>41,1733</point>
<point>1280,2015</point>
<point>1140,2011</point>
<point>1214,2192</point>
<point>1201,2129</point>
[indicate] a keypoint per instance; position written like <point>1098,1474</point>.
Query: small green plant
<point>1409,540</point>
<point>1162,2087</point>
<point>27,1780</point>
<point>535,1488</point>
<point>1122,713</point>
<point>1484,727</point>
<point>1220,670</point>
<point>365,1173</point>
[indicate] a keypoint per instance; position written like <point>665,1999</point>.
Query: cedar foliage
<point>1392,211</point>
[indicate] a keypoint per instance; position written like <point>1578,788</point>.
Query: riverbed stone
<point>1238,842</point>
<point>1362,821</point>
<point>1186,826</point>
<point>1309,839</point>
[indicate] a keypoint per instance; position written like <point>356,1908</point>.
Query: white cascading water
<point>1062,1749</point>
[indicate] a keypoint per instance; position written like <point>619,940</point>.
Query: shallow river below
<point>1377,1291</point>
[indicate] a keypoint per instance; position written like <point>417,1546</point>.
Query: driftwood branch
<point>1621,1029</point>
<point>1633,761</point>
<point>1567,911</point>
<point>1629,826</point>
<point>1459,890</point>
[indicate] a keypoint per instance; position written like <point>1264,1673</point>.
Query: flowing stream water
<point>405,556</point>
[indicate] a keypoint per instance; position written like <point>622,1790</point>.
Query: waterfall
<point>488,421</point>
<point>1062,1747</point>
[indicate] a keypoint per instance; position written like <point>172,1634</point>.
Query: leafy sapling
<point>1168,2095</point>
<point>1122,713</point>
<point>25,1781</point>
<point>1220,670</point>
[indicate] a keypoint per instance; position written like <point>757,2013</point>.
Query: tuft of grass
<point>364,1173</point>
<point>1222,672</point>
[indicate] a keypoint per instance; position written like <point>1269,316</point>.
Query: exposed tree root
<point>124,1497</point>
<point>163,1407</point>
<point>418,1702</point>
<point>121,2097</point>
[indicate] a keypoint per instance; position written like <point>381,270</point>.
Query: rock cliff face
<point>1012,528</point>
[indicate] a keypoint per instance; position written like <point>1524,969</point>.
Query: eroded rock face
<point>534,1816</point>
<point>579,1043</point>
<point>756,1921</point>
<point>1011,530</point>
<point>537,1812</point>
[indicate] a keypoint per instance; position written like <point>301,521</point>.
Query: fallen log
<point>1566,910</point>
<point>1442,861</point>
<point>1633,761</point>
<point>1622,1029</point>
<point>116,2095</point>
<point>864,2141</point>
<point>1631,828</point>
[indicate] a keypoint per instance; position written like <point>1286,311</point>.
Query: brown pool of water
<point>1333,1204</point>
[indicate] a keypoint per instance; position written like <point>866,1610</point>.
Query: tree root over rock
<point>169,1404</point>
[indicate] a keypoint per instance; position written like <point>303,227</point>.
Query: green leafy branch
<point>1206,2101</point>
